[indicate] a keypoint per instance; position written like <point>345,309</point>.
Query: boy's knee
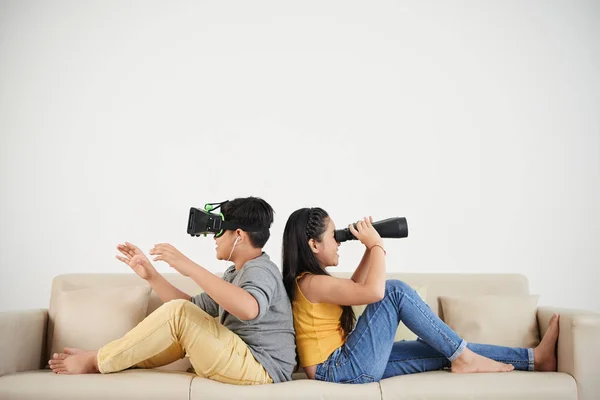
<point>184,307</point>
<point>177,304</point>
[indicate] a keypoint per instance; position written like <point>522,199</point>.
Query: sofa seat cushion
<point>516,385</point>
<point>203,389</point>
<point>126,385</point>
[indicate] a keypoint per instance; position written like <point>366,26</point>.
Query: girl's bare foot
<point>469,362</point>
<point>74,361</point>
<point>544,355</point>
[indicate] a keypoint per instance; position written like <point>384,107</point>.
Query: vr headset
<point>203,222</point>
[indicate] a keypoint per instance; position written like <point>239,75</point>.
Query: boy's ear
<point>242,235</point>
<point>312,243</point>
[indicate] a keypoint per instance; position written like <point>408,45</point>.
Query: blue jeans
<point>370,353</point>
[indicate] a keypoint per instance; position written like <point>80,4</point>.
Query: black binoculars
<point>388,228</point>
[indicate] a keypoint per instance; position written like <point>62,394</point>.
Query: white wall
<point>477,120</point>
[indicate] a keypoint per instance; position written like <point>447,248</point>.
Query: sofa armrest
<point>578,347</point>
<point>22,339</point>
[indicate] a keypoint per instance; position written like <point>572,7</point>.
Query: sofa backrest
<point>436,284</point>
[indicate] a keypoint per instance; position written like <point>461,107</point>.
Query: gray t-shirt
<point>270,336</point>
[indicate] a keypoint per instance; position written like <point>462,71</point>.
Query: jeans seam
<point>353,380</point>
<point>417,359</point>
<point>251,381</point>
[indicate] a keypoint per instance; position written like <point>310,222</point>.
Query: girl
<point>331,348</point>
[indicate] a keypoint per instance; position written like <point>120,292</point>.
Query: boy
<point>253,341</point>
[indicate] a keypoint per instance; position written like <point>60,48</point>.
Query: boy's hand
<point>176,260</point>
<point>138,262</point>
<point>366,233</point>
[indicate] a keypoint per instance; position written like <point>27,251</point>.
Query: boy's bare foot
<point>74,361</point>
<point>73,351</point>
<point>544,355</point>
<point>469,362</point>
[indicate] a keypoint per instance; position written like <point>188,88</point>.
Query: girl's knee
<point>395,285</point>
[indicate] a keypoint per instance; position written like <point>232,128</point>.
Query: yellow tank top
<point>318,329</point>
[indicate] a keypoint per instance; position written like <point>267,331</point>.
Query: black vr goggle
<point>203,222</point>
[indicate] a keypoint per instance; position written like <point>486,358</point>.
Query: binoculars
<point>388,228</point>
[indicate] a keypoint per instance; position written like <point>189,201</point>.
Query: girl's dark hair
<point>302,225</point>
<point>251,211</point>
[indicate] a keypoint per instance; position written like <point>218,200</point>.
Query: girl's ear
<point>312,243</point>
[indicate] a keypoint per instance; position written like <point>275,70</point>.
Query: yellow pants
<point>179,327</point>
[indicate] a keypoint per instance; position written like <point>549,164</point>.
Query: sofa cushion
<point>126,385</point>
<point>203,388</point>
<point>500,320</point>
<point>402,333</point>
<point>516,385</point>
<point>92,317</point>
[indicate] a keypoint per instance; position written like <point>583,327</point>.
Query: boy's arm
<point>233,299</point>
<point>139,263</point>
<point>261,283</point>
<point>165,290</point>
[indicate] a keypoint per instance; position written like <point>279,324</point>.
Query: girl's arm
<point>360,274</point>
<point>347,292</point>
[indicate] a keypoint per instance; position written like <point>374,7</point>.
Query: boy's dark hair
<point>250,211</point>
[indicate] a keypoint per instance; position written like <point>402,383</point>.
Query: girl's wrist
<point>379,246</point>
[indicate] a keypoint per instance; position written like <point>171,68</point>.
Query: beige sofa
<point>27,336</point>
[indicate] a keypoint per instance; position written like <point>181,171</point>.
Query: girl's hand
<point>365,232</point>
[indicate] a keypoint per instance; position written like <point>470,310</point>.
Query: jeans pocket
<point>342,357</point>
<point>362,378</point>
<point>321,372</point>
